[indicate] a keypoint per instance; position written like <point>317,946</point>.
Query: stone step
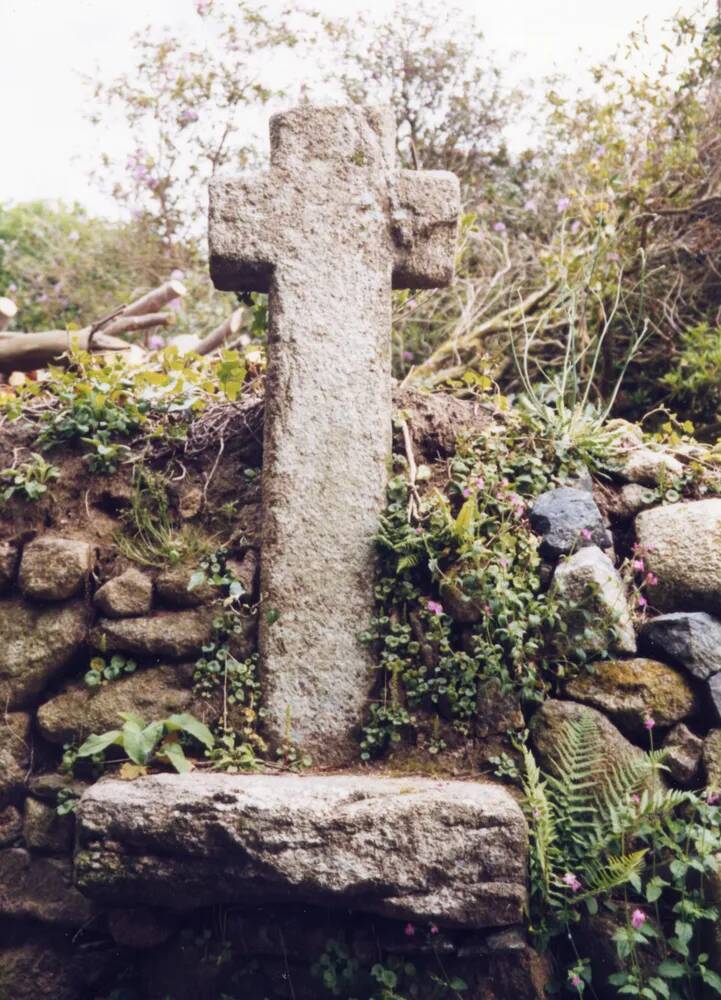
<point>450,852</point>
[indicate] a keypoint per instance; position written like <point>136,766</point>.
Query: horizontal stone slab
<point>451,852</point>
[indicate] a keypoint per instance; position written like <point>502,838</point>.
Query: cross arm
<point>244,232</point>
<point>424,222</point>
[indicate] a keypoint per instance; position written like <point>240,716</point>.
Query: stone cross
<point>328,231</point>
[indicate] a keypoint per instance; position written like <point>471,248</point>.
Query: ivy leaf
<point>95,744</point>
<point>467,515</point>
<point>140,743</point>
<point>660,986</point>
<point>711,978</point>
<point>174,753</point>
<point>189,724</point>
<point>670,969</point>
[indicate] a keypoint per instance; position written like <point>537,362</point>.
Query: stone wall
<point>69,592</point>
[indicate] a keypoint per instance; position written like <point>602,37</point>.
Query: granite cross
<point>328,231</point>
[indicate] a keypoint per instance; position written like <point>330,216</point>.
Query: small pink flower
<point>575,226</point>
<point>638,565</point>
<point>649,723</point>
<point>435,607</point>
<point>74,236</point>
<point>408,355</point>
<point>529,206</point>
<point>480,482</point>
<point>570,879</point>
<point>713,798</point>
<point>409,930</point>
<point>612,256</point>
<point>433,929</point>
<point>638,919</point>
<point>411,304</point>
<point>635,799</point>
<point>576,981</point>
<point>188,116</point>
<point>156,342</point>
<point>586,534</point>
<point>466,491</point>
<point>642,602</point>
<point>176,274</point>
<point>563,204</point>
<point>651,580</point>
<point>499,227</point>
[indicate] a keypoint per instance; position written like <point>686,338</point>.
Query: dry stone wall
<point>67,593</point>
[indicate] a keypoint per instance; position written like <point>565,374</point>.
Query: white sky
<point>47,148</point>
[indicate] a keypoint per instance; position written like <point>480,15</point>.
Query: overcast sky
<point>48,46</point>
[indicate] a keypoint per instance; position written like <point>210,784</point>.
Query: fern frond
<point>539,813</point>
<point>603,877</point>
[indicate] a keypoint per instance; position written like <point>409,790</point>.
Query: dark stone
<point>9,554</point>
<point>11,825</point>
<point>561,515</point>
<point>713,687</point>
<point>497,712</point>
<point>688,639</point>
<point>37,888</point>
<point>683,754</point>
<point>140,928</point>
<point>45,830</point>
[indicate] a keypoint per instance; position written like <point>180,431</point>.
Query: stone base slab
<point>450,852</point>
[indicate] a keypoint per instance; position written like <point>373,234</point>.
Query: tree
<point>432,65</point>
<point>188,108</point>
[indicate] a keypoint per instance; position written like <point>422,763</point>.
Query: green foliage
<point>101,670</point>
<point>237,680</point>
<point>29,480</point>
<point>694,380</point>
<point>115,409</point>
<point>610,833</point>
<point>214,571</point>
<point>460,597</point>
<point>66,802</point>
<point>65,268</point>
<point>394,978</point>
<point>150,743</point>
<point>148,535</point>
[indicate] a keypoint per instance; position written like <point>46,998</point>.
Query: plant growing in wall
<point>612,838</point>
<point>29,480</point>
<point>150,743</point>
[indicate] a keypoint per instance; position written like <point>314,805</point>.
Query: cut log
<point>27,352</point>
<point>8,309</point>
<point>124,323</point>
<point>221,333</point>
<point>154,300</point>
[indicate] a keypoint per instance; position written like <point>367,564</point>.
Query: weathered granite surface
<point>38,888</point>
<point>630,691</point>
<point>171,635</point>
<point>681,543</point>
<point>128,594</point>
<point>589,580</point>
<point>327,231</point>
<point>411,848</point>
<point>77,711</point>
<point>36,643</point>
<point>53,568</point>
